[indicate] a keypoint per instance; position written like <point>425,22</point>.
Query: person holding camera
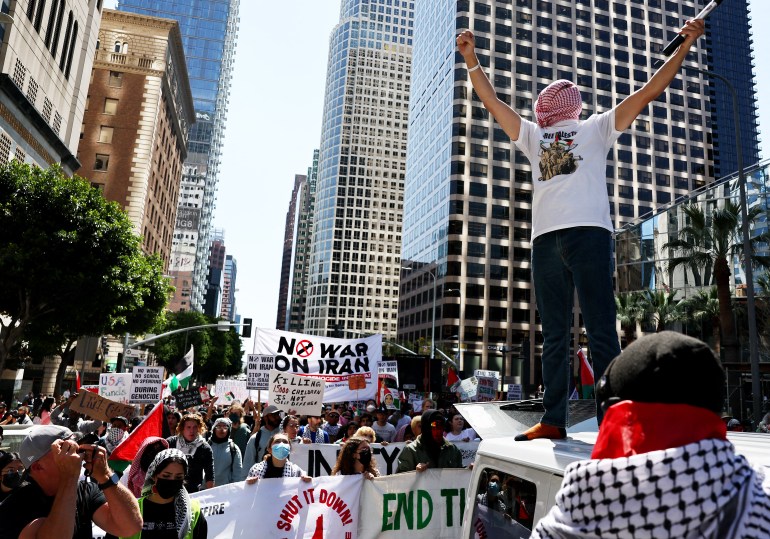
<point>55,503</point>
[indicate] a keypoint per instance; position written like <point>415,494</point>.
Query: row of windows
<point>35,12</point>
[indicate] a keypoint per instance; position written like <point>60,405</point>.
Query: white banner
<point>426,504</point>
<point>258,371</point>
<point>326,508</point>
<point>115,386</point>
<point>318,459</point>
<point>146,384</point>
<point>332,360</point>
<point>303,395</point>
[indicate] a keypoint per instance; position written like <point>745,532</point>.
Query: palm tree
<point>629,312</point>
<point>706,245</point>
<point>662,306</point>
<point>704,308</point>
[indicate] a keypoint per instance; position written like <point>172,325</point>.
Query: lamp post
<point>756,388</point>
<point>433,323</point>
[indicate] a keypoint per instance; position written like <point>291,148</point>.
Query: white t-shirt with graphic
<point>569,162</point>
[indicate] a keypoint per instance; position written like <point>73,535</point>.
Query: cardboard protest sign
<point>326,507</point>
<point>99,408</point>
<point>468,388</point>
<point>387,392</point>
<point>515,392</point>
<point>488,382</point>
<point>258,371</point>
<point>115,386</point>
<point>331,360</point>
<point>304,394</point>
<point>356,382</point>
<point>146,384</point>
<point>427,504</point>
<point>205,395</point>
<point>231,390</point>
<point>186,398</point>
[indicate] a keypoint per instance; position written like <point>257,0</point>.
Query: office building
<point>301,255</point>
<point>468,195</point>
<point>212,305</point>
<point>229,289</point>
<point>45,62</point>
<point>281,319</point>
<point>138,114</point>
<point>355,260</point>
<point>209,33</point>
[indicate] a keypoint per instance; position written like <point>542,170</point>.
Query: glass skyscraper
<point>355,260</point>
<point>209,33</point>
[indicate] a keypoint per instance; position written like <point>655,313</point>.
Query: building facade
<point>209,33</point>
<point>468,209</point>
<point>301,256</point>
<point>138,115</point>
<point>215,280</point>
<point>45,62</point>
<point>355,260</point>
<point>289,231</point>
<point>228,289</point>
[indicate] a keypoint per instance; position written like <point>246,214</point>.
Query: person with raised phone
<point>570,214</point>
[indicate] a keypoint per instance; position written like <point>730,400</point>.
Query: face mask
<point>438,434</point>
<point>168,488</point>
<point>12,480</point>
<point>365,457</point>
<point>281,450</point>
<point>234,418</point>
<point>493,489</point>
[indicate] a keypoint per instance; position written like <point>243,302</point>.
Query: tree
<point>630,311</point>
<point>217,353</point>
<point>70,263</point>
<point>707,244</point>
<point>662,306</point>
<point>704,308</point>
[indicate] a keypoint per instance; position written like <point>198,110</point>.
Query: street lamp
<point>756,388</point>
<point>433,322</point>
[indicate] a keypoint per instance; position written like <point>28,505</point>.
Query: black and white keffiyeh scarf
<point>699,490</point>
<point>189,448</point>
<point>289,470</point>
<point>182,506</point>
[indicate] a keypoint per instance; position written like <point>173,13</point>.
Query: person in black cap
<point>430,449</point>
<point>54,503</point>
<point>662,465</point>
<point>257,444</point>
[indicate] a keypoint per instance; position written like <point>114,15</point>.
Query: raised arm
<point>633,105</point>
<point>508,118</point>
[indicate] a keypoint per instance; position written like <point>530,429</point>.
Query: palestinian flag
<point>181,374</point>
<point>586,375</point>
<point>451,378</point>
<point>125,452</point>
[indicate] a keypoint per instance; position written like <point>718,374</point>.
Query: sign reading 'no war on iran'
<point>258,371</point>
<point>146,384</point>
<point>294,392</point>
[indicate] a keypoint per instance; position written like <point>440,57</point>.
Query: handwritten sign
<point>258,371</point>
<point>188,397</point>
<point>294,392</point>
<point>99,408</point>
<point>115,386</point>
<point>146,384</point>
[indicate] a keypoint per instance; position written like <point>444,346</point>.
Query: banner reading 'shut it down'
<point>332,360</point>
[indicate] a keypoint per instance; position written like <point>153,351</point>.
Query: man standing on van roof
<point>662,465</point>
<point>571,224</point>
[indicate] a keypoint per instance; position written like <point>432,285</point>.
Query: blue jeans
<point>562,261</point>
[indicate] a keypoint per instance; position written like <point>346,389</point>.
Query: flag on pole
<point>586,375</point>
<point>152,425</point>
<point>77,381</point>
<point>180,377</point>
<point>451,377</point>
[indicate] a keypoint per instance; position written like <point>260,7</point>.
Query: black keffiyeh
<point>699,490</point>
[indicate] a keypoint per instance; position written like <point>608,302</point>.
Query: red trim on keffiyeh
<point>558,101</point>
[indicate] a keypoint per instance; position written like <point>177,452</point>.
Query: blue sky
<point>274,123</point>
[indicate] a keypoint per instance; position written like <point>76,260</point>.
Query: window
<point>105,134</point>
<point>110,105</point>
<point>116,79</point>
<point>102,161</point>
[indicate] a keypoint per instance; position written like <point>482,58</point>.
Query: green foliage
<point>630,311</point>
<point>70,262</point>
<point>217,353</point>
<point>662,307</point>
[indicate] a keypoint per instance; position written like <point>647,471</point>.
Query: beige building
<point>45,59</point>
<point>138,112</point>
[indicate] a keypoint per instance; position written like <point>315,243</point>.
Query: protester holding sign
<point>276,463</point>
<point>356,458</point>
<point>430,449</point>
<point>190,442</point>
<point>166,507</point>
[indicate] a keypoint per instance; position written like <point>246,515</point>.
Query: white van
<point>530,473</point>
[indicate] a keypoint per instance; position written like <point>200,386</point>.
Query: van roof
<point>501,423</point>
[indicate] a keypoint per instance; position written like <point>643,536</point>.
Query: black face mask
<point>365,457</point>
<point>168,488</point>
<point>12,480</point>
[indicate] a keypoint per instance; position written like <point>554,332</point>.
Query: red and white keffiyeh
<point>558,101</point>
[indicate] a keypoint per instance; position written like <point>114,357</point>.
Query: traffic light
<point>246,328</point>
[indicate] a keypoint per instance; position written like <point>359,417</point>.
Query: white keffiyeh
<point>189,448</point>
<point>700,490</point>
